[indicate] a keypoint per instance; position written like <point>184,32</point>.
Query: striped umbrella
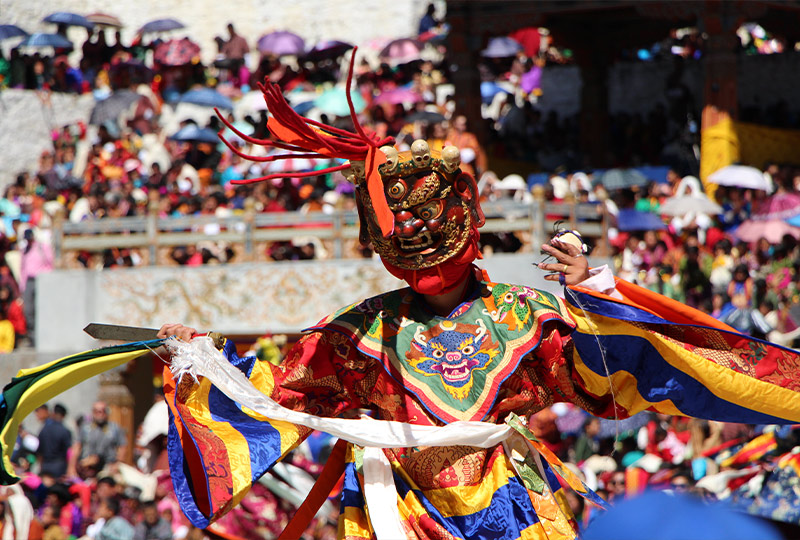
<point>104,19</point>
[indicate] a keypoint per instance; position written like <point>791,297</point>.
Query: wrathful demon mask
<point>419,210</point>
<point>434,204</point>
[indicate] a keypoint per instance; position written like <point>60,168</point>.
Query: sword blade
<point>118,332</point>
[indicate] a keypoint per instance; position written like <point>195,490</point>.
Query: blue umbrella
<point>623,178</point>
<point>192,133</point>
<point>501,47</point>
<point>334,101</point>
<point>161,25</point>
<point>46,40</point>
<point>490,89</point>
<point>8,31</point>
<point>656,173</point>
<point>69,19</point>
<point>659,516</point>
<point>634,220</point>
<point>207,97</point>
<point>303,108</point>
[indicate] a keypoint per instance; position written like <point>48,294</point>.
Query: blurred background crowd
<point>728,247</point>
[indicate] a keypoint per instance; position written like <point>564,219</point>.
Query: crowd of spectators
<point>130,166</point>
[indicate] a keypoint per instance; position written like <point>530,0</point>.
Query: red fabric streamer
<point>296,133</point>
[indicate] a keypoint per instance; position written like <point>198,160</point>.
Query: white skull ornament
<point>421,153</point>
<point>392,159</point>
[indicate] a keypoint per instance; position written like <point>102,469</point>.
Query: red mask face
<point>436,215</point>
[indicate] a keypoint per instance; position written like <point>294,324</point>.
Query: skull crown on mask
<point>435,207</point>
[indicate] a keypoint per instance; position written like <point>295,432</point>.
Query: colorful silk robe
<point>504,354</point>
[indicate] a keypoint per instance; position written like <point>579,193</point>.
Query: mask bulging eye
<point>431,210</point>
<point>397,190</point>
<point>468,350</point>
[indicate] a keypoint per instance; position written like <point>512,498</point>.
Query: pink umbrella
<point>773,230</point>
<point>401,51</point>
<point>281,43</point>
<point>397,95</point>
<point>781,205</point>
<point>176,52</point>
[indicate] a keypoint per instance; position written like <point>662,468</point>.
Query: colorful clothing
<point>504,354</point>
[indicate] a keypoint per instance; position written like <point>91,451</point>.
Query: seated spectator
<point>152,526</point>
<point>114,527</point>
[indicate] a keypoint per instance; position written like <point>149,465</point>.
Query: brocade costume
<point>503,354</point>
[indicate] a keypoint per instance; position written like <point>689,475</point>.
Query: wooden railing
<point>249,228</point>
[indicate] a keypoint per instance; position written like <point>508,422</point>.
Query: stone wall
<point>236,299</point>
<point>26,121</point>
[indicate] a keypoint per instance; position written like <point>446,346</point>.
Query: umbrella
<point>113,106</point>
<point>656,173</point>
<point>334,102</point>
<point>8,31</point>
<point>68,19</point>
<point>511,183</point>
<point>207,97</point>
<point>401,51</point>
<point>501,47</point>
<point>104,19</point>
<point>161,25</point>
<point>192,133</point>
<point>773,230</point>
<point>328,49</point>
<point>489,89</point>
<point>659,516</point>
<point>610,428</point>
<point>623,178</point>
<point>634,220</point>
<point>781,205</point>
<point>303,108</point>
<point>740,176</point>
<point>430,117</point>
<point>176,52</point>
<point>397,96</point>
<point>685,204</point>
<point>281,43</point>
<point>46,40</point>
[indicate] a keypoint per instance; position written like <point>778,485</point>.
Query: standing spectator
<point>100,442</point>
<point>235,50</point>
<point>54,442</point>
<point>428,21</point>
<point>152,526</point>
<point>115,527</point>
<point>587,444</point>
<point>36,258</point>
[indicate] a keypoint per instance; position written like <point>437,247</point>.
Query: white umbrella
<point>685,204</point>
<point>511,182</point>
<point>741,176</point>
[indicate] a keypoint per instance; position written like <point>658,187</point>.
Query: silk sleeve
<point>643,351</point>
<point>218,449</point>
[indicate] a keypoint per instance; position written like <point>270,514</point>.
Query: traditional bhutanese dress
<point>443,450</point>
<point>504,354</point>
